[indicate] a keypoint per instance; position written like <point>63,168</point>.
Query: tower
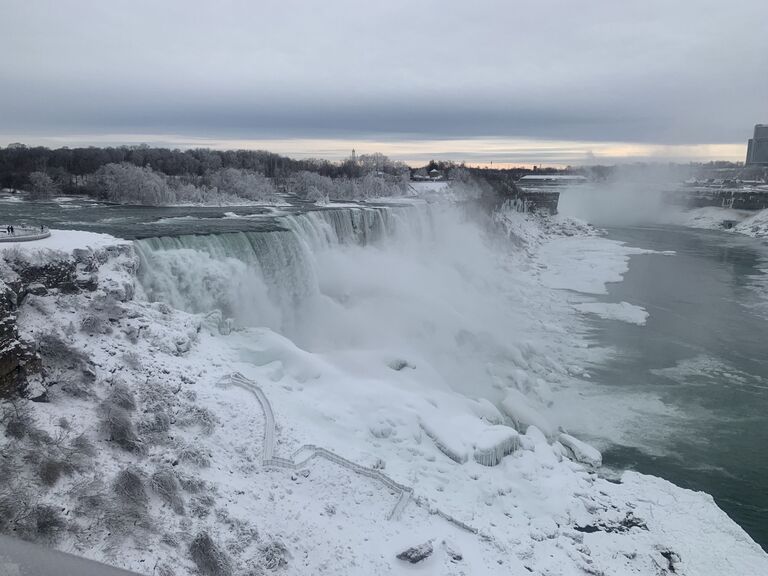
<point>757,146</point>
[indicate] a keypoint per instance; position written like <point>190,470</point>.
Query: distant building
<point>551,179</point>
<point>435,174</point>
<point>757,147</point>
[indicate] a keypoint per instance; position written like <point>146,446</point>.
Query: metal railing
<point>24,234</point>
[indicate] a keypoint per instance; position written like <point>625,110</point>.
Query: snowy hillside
<point>746,222</point>
<point>755,225</point>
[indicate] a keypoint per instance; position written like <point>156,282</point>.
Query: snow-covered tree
<point>129,184</point>
<point>242,183</point>
<point>42,186</point>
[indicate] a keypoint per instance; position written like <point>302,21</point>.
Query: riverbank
<point>704,364</point>
<point>747,222</point>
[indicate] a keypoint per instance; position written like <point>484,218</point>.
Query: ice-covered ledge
<point>63,241</point>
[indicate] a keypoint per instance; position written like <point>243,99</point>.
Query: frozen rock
<point>225,326</point>
<point>400,364</point>
<point>516,406</point>
<point>446,438</point>
<point>487,411</point>
<point>37,289</point>
<point>417,553</point>
<point>582,451</point>
<point>533,437</point>
<point>183,344</point>
<point>494,443</point>
<point>453,551</point>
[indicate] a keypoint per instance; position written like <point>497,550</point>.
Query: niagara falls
<point>436,288</point>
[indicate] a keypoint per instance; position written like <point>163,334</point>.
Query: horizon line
<point>481,152</point>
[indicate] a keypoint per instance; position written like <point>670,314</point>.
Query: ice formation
<point>494,443</point>
<point>518,407</point>
<point>581,451</point>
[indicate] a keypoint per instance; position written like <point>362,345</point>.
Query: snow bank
<point>447,438</point>
<point>517,406</point>
<point>756,225</point>
<point>582,451</point>
<point>746,222</point>
<point>63,241</point>
<point>494,443</point>
<point>706,217</point>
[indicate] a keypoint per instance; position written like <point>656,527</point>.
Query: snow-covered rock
<point>581,451</point>
<point>446,437</point>
<point>517,406</point>
<point>755,225</point>
<point>494,443</point>
<point>416,554</point>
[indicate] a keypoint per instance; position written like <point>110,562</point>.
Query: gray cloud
<point>684,72</point>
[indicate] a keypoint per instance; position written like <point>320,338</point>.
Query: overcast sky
<point>563,80</point>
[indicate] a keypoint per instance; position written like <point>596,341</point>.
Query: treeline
<point>316,187</point>
<point>128,184</point>
<point>156,176</point>
<point>70,166</point>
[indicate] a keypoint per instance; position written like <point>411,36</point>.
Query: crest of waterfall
<point>266,278</point>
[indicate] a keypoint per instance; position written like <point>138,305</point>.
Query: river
<point>704,352</point>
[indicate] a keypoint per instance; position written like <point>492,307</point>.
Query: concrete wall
<point>747,200</point>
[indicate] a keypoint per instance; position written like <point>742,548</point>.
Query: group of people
<point>11,231</point>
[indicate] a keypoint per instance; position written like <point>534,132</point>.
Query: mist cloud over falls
<point>423,286</point>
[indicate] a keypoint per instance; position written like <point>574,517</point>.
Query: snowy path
<point>294,463</point>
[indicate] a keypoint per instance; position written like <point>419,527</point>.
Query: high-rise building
<point>757,147</point>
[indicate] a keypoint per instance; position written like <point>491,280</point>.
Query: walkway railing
<point>23,234</point>
<point>404,493</point>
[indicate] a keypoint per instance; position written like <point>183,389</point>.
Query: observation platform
<point>24,234</point>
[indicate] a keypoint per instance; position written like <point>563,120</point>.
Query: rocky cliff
<point>23,274</point>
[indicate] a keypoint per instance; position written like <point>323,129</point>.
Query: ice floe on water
<point>623,311</point>
<point>585,264</point>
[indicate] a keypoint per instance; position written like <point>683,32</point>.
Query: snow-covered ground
<point>63,241</point>
<point>755,225</point>
<point>747,222</point>
<point>172,452</point>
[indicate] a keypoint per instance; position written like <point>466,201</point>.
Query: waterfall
<point>266,278</point>
<point>413,285</point>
